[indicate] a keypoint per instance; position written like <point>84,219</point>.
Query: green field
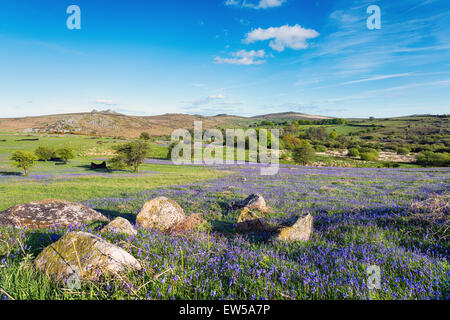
<point>362,217</point>
<point>75,181</point>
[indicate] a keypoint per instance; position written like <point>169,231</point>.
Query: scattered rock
<point>253,201</point>
<point>85,255</point>
<point>188,224</point>
<point>120,225</point>
<point>298,228</point>
<point>46,213</point>
<point>160,213</point>
<point>250,221</point>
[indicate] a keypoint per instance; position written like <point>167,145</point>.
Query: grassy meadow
<point>362,217</point>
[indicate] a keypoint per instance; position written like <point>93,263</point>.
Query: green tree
<point>291,142</point>
<point>131,154</point>
<point>334,135</point>
<point>44,153</point>
<point>430,158</point>
<point>320,148</point>
<point>24,160</point>
<point>144,136</point>
<point>403,151</point>
<point>369,154</point>
<point>65,153</point>
<point>353,152</point>
<point>304,154</point>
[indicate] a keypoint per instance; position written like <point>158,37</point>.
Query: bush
<point>266,123</point>
<point>44,153</point>
<point>334,135</point>
<point>24,160</point>
<point>368,154</point>
<point>65,153</point>
<point>131,154</point>
<point>144,136</point>
<point>304,154</point>
<point>290,142</point>
<point>429,158</point>
<point>403,151</point>
<point>389,164</point>
<point>320,148</point>
<point>353,152</point>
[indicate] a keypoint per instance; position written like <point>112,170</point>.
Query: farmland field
<point>362,217</point>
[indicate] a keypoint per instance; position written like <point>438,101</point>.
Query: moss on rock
<point>86,254</point>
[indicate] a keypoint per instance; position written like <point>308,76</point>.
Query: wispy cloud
<point>213,104</point>
<point>380,77</point>
<point>283,37</point>
<point>106,102</point>
<point>261,4</point>
<point>243,57</point>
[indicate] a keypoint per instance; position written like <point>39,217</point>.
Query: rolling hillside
<point>109,123</point>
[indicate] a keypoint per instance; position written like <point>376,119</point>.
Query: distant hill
<point>108,123</point>
<point>111,123</point>
<point>290,116</point>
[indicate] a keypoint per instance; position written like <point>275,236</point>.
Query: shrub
<point>169,150</point>
<point>44,153</point>
<point>266,123</point>
<point>144,136</point>
<point>368,154</point>
<point>24,160</point>
<point>320,148</point>
<point>304,154</point>
<point>131,154</point>
<point>429,158</point>
<point>334,135</point>
<point>389,164</point>
<point>65,153</point>
<point>290,142</point>
<point>403,151</point>
<point>353,152</point>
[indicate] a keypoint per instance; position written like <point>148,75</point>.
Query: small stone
<point>250,221</point>
<point>84,255</point>
<point>120,225</point>
<point>160,213</point>
<point>253,201</point>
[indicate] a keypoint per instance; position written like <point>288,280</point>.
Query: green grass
<point>153,176</point>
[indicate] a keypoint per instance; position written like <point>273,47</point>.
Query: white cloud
<point>244,57</point>
<point>262,4</point>
<point>218,96</point>
<point>294,37</point>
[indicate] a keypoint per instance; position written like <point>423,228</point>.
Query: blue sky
<point>225,56</point>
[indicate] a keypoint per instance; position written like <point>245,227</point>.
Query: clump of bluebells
<point>362,217</point>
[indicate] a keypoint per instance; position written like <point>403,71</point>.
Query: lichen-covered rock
<point>188,224</point>
<point>160,213</point>
<point>298,228</point>
<point>120,225</point>
<point>46,213</point>
<point>85,255</point>
<point>251,221</point>
<point>253,201</point>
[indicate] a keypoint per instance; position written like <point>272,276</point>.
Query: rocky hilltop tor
<point>111,123</point>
